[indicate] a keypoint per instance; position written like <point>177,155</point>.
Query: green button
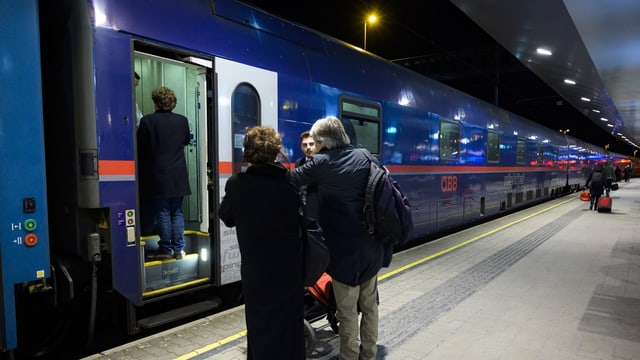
<point>30,224</point>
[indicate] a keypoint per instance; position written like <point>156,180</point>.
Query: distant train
<point>73,241</point>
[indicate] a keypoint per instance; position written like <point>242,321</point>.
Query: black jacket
<point>263,206</point>
<point>595,182</point>
<point>162,137</point>
<point>341,176</point>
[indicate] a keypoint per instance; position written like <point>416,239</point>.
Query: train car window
<point>362,122</point>
<point>540,154</point>
<point>493,147</point>
<point>521,151</point>
<point>449,141</point>
<point>475,144</point>
<point>245,113</point>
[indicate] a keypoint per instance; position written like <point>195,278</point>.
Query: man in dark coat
<point>341,173</point>
<point>164,178</point>
<point>263,206</point>
<point>309,193</point>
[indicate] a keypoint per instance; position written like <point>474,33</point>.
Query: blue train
<point>73,232</point>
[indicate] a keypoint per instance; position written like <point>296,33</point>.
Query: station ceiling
<point>594,44</point>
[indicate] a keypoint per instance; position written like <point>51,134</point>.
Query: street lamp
<point>370,19</point>
<point>564,132</point>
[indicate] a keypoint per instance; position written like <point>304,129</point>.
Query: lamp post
<point>564,132</point>
<point>370,19</point>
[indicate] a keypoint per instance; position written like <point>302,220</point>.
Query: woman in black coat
<point>263,206</point>
<point>595,183</point>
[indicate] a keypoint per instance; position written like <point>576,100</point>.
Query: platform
<point>555,281</point>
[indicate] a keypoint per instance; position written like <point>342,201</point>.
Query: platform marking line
<point>212,346</point>
<point>414,316</point>
<point>469,241</point>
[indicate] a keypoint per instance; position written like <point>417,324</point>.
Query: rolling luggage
<point>604,204</point>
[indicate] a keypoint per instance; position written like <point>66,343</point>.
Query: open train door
<point>247,96</point>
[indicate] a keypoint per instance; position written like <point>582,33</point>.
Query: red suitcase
<point>604,204</point>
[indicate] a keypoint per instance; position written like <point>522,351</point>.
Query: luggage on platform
<point>585,196</point>
<point>604,204</point>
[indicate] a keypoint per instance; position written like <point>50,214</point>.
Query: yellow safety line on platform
<point>212,346</point>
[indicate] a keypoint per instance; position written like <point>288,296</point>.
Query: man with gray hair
<point>341,172</point>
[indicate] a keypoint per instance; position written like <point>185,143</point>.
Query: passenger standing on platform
<point>627,173</point>
<point>618,173</point>
<point>164,178</point>
<point>341,172</point>
<point>263,206</point>
<point>609,176</point>
<point>595,183</point>
<point>308,147</point>
<point>309,193</point>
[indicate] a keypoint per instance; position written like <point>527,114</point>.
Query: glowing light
<point>101,17</point>
<point>543,51</point>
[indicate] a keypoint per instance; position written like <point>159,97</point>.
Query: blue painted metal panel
<point>115,116</point>
<point>24,242</point>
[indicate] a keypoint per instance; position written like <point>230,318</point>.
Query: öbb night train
<point>73,250</point>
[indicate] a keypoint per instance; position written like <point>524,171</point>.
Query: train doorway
<point>189,82</point>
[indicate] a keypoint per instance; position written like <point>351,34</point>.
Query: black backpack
<point>387,212</point>
<point>596,178</point>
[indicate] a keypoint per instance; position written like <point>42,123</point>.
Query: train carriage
<point>460,160</point>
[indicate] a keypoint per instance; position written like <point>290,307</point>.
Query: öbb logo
<point>449,183</point>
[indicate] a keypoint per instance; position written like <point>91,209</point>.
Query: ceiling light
<point>609,125</point>
<point>585,99</point>
<point>199,61</point>
<point>604,119</point>
<point>569,81</point>
<point>543,51</point>
<point>596,111</point>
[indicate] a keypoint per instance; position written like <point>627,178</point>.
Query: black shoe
<point>179,255</point>
<point>590,207</point>
<point>159,257</point>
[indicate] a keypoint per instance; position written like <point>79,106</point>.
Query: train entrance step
<point>162,274</point>
<point>178,314</point>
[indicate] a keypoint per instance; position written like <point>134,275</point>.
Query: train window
<point>245,113</point>
<point>493,147</point>
<point>475,144</point>
<point>361,120</point>
<point>521,151</point>
<point>449,141</point>
<point>540,154</point>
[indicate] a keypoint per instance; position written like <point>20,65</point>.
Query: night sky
<point>404,28</point>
